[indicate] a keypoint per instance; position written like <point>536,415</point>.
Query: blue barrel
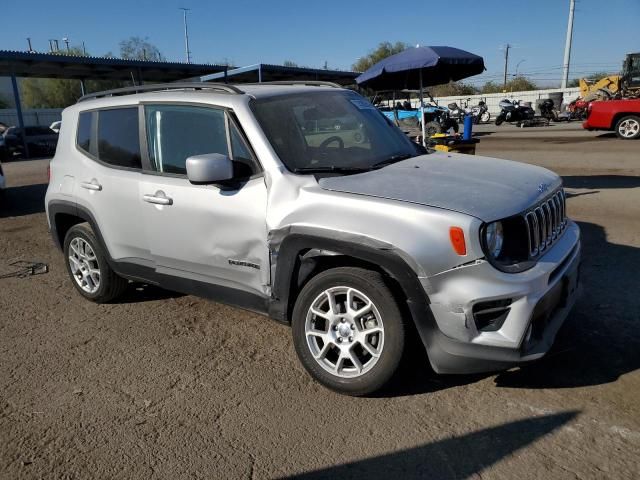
<point>468,126</point>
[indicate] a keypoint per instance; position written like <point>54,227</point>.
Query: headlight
<point>494,239</point>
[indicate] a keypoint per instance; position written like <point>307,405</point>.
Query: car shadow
<point>144,292</point>
<point>599,342</point>
<point>25,200</point>
<point>461,456</point>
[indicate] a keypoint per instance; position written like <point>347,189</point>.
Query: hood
<point>486,188</point>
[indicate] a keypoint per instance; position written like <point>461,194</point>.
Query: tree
<point>289,63</point>
<point>384,50</point>
<point>452,89</point>
<point>137,48</point>
<point>517,84</point>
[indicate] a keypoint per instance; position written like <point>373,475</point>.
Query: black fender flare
<point>287,254</point>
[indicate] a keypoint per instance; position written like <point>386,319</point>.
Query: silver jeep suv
<point>304,203</point>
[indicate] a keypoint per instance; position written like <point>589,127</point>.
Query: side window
<point>83,137</point>
<point>176,132</point>
<point>118,138</point>
<point>245,164</point>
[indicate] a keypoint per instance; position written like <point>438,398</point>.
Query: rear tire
<point>88,268</point>
<point>485,117</point>
<point>628,127</point>
<point>348,331</point>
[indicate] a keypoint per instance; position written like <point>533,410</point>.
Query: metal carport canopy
<point>263,72</point>
<point>25,64</point>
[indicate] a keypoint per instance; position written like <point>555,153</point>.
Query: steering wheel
<point>330,140</point>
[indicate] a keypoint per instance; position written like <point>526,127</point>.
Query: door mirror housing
<point>209,168</point>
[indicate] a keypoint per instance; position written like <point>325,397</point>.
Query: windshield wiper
<point>331,168</point>
<point>392,159</point>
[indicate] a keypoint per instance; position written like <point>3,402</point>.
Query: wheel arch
<point>618,116</point>
<point>63,215</point>
<point>298,257</point>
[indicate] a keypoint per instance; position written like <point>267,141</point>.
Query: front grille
<point>545,223</point>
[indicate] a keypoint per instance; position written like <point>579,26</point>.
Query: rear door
<point>205,233</point>
<point>108,174</point>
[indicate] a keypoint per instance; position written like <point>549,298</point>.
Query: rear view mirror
<point>209,168</point>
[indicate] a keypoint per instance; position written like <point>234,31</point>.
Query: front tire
<point>628,128</point>
<point>499,120</point>
<point>88,268</point>
<point>348,331</point>
<point>431,128</point>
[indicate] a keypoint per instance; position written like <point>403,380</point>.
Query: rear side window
<point>83,137</point>
<point>118,137</point>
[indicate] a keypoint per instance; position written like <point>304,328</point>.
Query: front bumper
<point>541,299</point>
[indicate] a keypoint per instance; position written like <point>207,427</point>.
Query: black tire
<point>431,128</point>
<point>373,286</point>
<point>628,120</point>
<point>455,127</point>
<point>499,120</point>
<point>111,286</point>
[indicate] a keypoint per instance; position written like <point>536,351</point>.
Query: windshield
<point>330,131</point>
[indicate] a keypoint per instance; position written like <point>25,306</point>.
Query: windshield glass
<point>330,131</point>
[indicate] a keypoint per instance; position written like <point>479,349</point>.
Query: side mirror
<point>209,168</point>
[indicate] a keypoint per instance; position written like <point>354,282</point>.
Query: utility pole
<point>506,65</point>
<point>66,41</point>
<point>29,42</point>
<point>567,46</point>
<point>186,34</point>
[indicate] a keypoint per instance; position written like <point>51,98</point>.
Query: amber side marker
<point>457,240</point>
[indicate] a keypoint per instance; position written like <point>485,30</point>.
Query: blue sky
<point>310,33</point>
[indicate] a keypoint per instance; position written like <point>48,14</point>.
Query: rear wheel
<point>485,117</point>
<point>88,268</point>
<point>628,128</point>
<point>348,331</point>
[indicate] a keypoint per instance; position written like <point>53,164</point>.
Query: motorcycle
<point>548,111</point>
<point>480,112</point>
<point>512,111</point>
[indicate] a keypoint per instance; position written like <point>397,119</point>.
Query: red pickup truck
<point>621,116</point>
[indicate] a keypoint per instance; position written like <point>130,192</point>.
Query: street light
<point>517,66</point>
<point>66,42</point>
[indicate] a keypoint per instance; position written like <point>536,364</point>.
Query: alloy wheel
<point>344,332</point>
<point>84,265</point>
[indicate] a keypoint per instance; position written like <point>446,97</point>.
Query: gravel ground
<point>163,385</point>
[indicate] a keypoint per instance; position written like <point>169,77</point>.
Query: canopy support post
<point>424,140</point>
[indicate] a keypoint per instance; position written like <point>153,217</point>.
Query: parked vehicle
<point>548,110</point>
<point>620,116</point>
<point>512,111</point>
<point>221,191</point>
<point>4,151</point>
<point>577,109</point>
<point>41,141</point>
<point>479,113</point>
<point>438,120</point>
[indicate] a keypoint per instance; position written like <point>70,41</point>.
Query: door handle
<point>159,199</point>
<point>92,185</point>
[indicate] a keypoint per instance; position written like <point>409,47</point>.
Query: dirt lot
<point>169,386</point>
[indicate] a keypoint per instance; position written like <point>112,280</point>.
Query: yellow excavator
<point>626,85</point>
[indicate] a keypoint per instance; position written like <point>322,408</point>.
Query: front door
<point>203,233</point>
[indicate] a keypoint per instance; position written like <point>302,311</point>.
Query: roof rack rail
<point>313,83</point>
<point>163,87</point>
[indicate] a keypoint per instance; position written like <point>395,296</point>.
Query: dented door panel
<point>208,234</point>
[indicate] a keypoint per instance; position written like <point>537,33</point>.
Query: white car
<point>55,126</point>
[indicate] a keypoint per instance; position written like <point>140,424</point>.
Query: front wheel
<point>499,120</point>
<point>431,128</point>
<point>628,128</point>
<point>348,331</point>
